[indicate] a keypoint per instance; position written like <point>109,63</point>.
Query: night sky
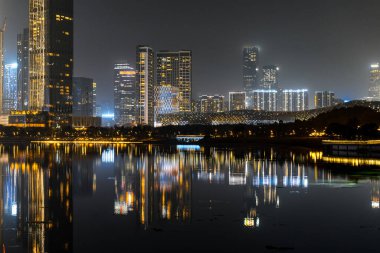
<point>324,44</point>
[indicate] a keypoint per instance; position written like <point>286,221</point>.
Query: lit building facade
<point>211,103</point>
<point>264,100</point>
<point>175,69</point>
<point>10,88</point>
<point>22,69</point>
<point>83,96</point>
<point>145,85</point>
<point>295,100</point>
<point>324,99</point>
<point>270,77</point>
<point>124,90</point>
<point>2,31</point>
<point>374,81</point>
<point>51,58</point>
<point>166,100</point>
<point>237,101</point>
<point>250,68</point>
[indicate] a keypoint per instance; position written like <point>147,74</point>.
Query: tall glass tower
<point>2,31</point>
<point>174,71</point>
<point>145,85</point>
<point>10,88</point>
<point>23,69</point>
<point>124,90</point>
<point>374,81</point>
<point>250,68</point>
<point>51,58</point>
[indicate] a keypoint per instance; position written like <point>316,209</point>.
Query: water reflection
<point>36,199</point>
<point>153,185</point>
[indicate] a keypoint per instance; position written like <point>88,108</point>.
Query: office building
<point>174,68</point>
<point>51,58</point>
<point>324,99</point>
<point>374,81</point>
<point>124,90</point>
<point>83,96</point>
<point>250,68</point>
<point>10,88</point>
<point>264,100</point>
<point>270,77</point>
<point>145,85</point>
<point>295,100</point>
<point>2,31</point>
<point>22,69</point>
<point>237,101</point>
<point>211,104</point>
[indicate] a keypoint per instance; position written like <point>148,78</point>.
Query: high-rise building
<point>270,77</point>
<point>10,88</point>
<point>145,85</point>
<point>51,58</point>
<point>295,100</point>
<point>211,104</point>
<point>83,97</point>
<point>237,101</point>
<point>124,90</point>
<point>264,100</point>
<point>324,99</point>
<point>250,68</point>
<point>175,69</point>
<point>2,31</point>
<point>374,81</point>
<point>23,69</point>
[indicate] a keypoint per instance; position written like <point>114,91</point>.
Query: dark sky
<point>318,44</point>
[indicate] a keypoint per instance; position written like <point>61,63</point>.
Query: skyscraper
<point>324,99</point>
<point>175,69</point>
<point>124,90</point>
<point>145,85</point>
<point>270,77</point>
<point>83,97</point>
<point>250,68</point>
<point>374,81</point>
<point>23,69</point>
<point>10,88</point>
<point>295,100</point>
<point>2,31</point>
<point>237,101</point>
<point>51,58</point>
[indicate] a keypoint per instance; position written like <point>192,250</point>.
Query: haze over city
<point>319,45</point>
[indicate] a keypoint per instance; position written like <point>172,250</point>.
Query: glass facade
<point>83,96</point>
<point>10,88</point>
<point>250,68</point>
<point>124,91</point>
<point>23,69</point>
<point>374,81</point>
<point>145,85</point>
<point>51,58</point>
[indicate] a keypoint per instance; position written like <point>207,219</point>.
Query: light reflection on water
<point>142,190</point>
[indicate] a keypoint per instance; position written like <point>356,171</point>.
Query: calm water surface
<point>143,198</point>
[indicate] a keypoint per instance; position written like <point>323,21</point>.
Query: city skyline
<point>341,65</point>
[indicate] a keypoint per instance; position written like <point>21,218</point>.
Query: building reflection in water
<point>157,184</point>
<point>154,184</point>
<point>36,199</point>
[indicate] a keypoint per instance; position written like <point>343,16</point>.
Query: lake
<point>186,198</point>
